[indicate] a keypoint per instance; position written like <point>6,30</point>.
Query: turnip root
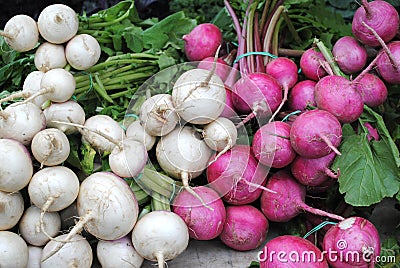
<point>372,89</point>
<point>350,55</point>
<point>291,251</point>
<point>203,224</point>
<point>17,169</point>
<point>21,122</point>
<point>160,236</point>
<point>158,116</point>
<point>13,250</point>
<point>137,132</point>
<point>245,228</point>
<point>82,51</point>
<point>118,253</point>
<point>77,253</point>
<point>35,254</point>
<point>69,111</point>
<point>21,33</point>
<point>12,208</point>
<point>31,86</point>
<point>220,135</point>
<point>356,238</point>
<point>50,147</point>
<point>58,23</point>
<point>271,145</point>
<point>199,96</point>
<point>301,95</point>
<point>315,133</point>
<point>289,195</point>
<point>31,222</point>
<point>312,64</point>
<point>49,56</point>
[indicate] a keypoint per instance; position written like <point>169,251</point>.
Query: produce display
<point>123,138</point>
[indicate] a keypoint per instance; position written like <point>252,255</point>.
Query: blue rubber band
<point>132,115</point>
<point>289,115</point>
<point>255,53</point>
<point>318,227</point>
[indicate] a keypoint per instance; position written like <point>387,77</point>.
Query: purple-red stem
<point>366,8</point>
<point>332,174</point>
<point>319,212</point>
<point>260,67</point>
<point>330,145</point>
<point>367,69</point>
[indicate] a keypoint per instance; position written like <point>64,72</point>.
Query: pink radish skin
<point>245,228</point>
<point>279,253</point>
<point>311,64</point>
<point>372,89</point>
<point>301,95</point>
<point>271,145</point>
<point>202,42</point>
<point>222,68</point>
<point>315,133</point>
<point>236,174</point>
<point>257,94</point>
<point>340,97</point>
<point>380,16</point>
<point>314,172</point>
<point>384,66</point>
<point>289,199</point>
<point>350,55</point>
<point>203,223</point>
<point>350,236</point>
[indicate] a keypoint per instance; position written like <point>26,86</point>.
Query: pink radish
<point>289,200</point>
<point>311,64</point>
<point>202,42</point>
<point>222,69</point>
<point>350,55</point>
<point>388,70</point>
<point>203,223</point>
<point>271,145</point>
<point>245,228</point>
<point>373,90</point>
<point>315,133</point>
<point>301,95</point>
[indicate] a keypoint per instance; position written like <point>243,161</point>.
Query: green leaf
<point>87,161</point>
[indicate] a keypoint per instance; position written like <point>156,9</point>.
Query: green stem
<point>160,202</point>
<point>329,58</point>
<point>291,27</point>
<point>108,23</point>
<point>270,31</point>
<point>99,87</point>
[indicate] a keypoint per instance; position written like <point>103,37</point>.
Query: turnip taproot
<point>12,208</point>
<point>350,55</point>
<point>245,228</point>
<point>82,51</point>
<point>21,33</point>
<point>315,133</point>
<point>203,224</point>
<point>288,201</point>
<point>58,23</point>
<point>49,56</point>
<point>18,171</point>
<point>35,255</point>
<point>13,250</point>
<point>302,95</point>
<point>160,236</point>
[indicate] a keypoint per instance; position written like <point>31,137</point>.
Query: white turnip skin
<point>30,226</point>
<point>203,223</point>
<point>229,110</point>
<point>118,253</point>
<point>388,70</point>
<point>158,116</point>
<point>82,51</point>
<point>53,188</point>
<point>136,131</point>
<point>35,254</point>
<point>271,145</point>
<point>220,135</point>
<point>245,228</point>
<point>315,133</point>
<point>31,86</point>
<point>18,171</point>
<point>290,195</point>
<point>58,85</point>
<point>78,253</point>
<point>13,250</point>
<point>291,251</point>
<point>128,158</point>
<point>373,90</point>
<point>69,111</point>
<point>58,23</point>
<point>350,55</point>
<point>380,16</point>
<point>202,42</point>
<point>199,96</point>
<point>103,124</point>
<point>301,95</point>
<point>12,208</point>
<point>21,33</point>
<point>21,122</point>
<point>311,64</point>
<point>50,147</point>
<point>49,56</point>
<point>160,236</point>
<point>354,236</point>
<point>222,68</point>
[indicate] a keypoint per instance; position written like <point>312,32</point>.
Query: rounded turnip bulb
<point>21,33</point>
<point>12,208</point>
<point>221,134</point>
<point>49,56</point>
<point>82,51</point>
<point>136,131</point>
<point>31,86</point>
<point>13,250</point>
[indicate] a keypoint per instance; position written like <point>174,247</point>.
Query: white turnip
<point>220,135</point>
<point>11,209</point>
<point>13,250</point>
<point>69,111</point>
<point>31,86</point>
<point>21,33</point>
<point>58,23</point>
<point>160,236</point>
<point>136,131</point>
<point>82,51</point>
<point>17,168</point>
<point>49,56</point>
